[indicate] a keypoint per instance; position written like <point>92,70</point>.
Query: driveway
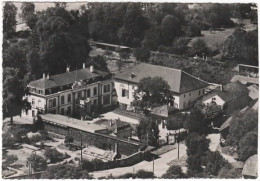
<point>160,165</point>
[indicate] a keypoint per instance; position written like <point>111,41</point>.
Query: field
<point>215,38</point>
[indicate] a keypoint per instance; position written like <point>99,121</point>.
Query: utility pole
<point>179,141</point>
<point>153,164</point>
<point>81,150</point>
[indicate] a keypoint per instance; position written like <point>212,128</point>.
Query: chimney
<point>221,87</point>
<point>68,69</point>
<point>84,65</point>
<point>91,68</point>
<point>43,75</point>
<point>132,75</point>
<point>48,76</point>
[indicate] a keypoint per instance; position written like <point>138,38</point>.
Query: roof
<point>74,123</point>
<point>253,91</point>
<point>163,111</point>
<point>250,168</point>
<point>178,80</point>
<point>113,125</point>
<point>232,90</point>
<point>255,106</point>
<point>65,78</point>
<point>244,79</point>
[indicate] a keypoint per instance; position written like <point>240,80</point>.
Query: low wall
<point>105,142</point>
<point>130,160</point>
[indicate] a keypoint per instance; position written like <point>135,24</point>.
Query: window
<point>199,92</point>
<point>83,94</point>
<point>54,103</point>
<point>95,101</point>
<point>62,100</point>
<point>189,94</point>
<point>88,93</point>
<point>106,100</point>
<point>50,91</point>
<point>33,113</point>
<point>50,103</point>
<point>133,87</point>
<point>69,97</point>
<point>184,105</point>
<point>203,91</point>
<point>95,91</point>
<point>106,88</point>
<point>33,101</point>
<point>123,93</point>
<point>39,102</point>
<point>184,95</point>
<point>62,111</point>
<point>69,110</point>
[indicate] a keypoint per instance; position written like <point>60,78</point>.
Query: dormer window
<point>132,75</point>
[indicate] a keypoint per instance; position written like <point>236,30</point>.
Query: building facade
<point>65,93</point>
<point>185,88</point>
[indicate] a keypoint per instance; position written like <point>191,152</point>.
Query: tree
<point>124,55</point>
<point>247,146</point>
<point>214,162</point>
<point>9,19</point>
<point>229,172</point>
<point>173,172</point>
<point>196,122</point>
<point>8,140</point>
<point>108,53</point>
<point>198,47</point>
<point>170,29</point>
<point>142,54</point>
<point>193,29</point>
<point>64,171</point>
<point>180,45</point>
<point>213,113</point>
<point>240,125</point>
<point>148,132</point>
<point>37,163</point>
<point>152,38</point>
<point>155,89</point>
<point>241,47</point>
<point>53,155</point>
<point>135,24</point>
<point>119,64</point>
<point>197,148</point>
<point>99,63</point>
<point>144,174</point>
<point>27,11</point>
<point>12,93</point>
<point>68,139</point>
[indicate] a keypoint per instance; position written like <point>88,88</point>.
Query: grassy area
<point>215,38</point>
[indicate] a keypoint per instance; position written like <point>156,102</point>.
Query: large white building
<point>185,88</point>
<point>65,93</point>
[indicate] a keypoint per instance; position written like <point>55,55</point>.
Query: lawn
<point>215,38</point>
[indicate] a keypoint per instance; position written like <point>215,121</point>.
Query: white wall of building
<point>129,88</point>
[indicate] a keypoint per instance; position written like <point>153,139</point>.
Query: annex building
<point>185,88</point>
<point>65,93</point>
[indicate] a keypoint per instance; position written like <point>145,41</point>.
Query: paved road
<point>160,165</point>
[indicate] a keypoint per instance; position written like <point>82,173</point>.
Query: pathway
<point>160,165</point>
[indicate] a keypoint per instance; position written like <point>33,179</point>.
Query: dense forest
<point>59,37</point>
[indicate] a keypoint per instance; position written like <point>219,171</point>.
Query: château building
<point>65,93</point>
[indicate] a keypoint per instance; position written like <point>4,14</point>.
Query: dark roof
<point>163,111</point>
<point>65,78</point>
<point>178,80</point>
<point>232,90</point>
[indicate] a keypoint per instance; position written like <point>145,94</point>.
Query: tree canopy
<point>9,19</point>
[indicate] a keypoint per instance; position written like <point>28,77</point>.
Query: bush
<point>173,172</point>
<point>9,159</point>
<point>53,155</point>
<point>8,139</point>
<point>144,174</point>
